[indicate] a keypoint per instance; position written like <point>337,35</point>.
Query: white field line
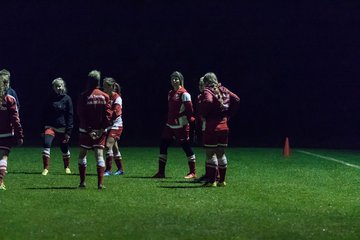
<point>330,159</point>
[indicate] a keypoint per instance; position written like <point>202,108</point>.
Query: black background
<point>294,64</point>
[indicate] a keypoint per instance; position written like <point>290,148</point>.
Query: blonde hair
<point>201,84</point>
<point>60,81</point>
<point>211,81</point>
<point>2,86</point>
<point>94,78</point>
<point>112,82</point>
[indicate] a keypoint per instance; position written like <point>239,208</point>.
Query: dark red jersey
<point>215,111</point>
<point>94,110</point>
<point>180,108</point>
<point>9,118</point>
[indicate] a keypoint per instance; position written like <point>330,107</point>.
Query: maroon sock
<point>207,174</point>
<point>119,163</point>
<point>100,174</point>
<point>66,161</point>
<point>222,173</point>
<point>212,174</point>
<point>82,172</point>
<point>46,160</point>
<point>192,167</point>
<point>108,163</point>
<point>162,165</point>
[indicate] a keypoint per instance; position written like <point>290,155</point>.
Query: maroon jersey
<point>213,111</point>
<point>9,118</point>
<point>94,110</point>
<point>180,108</point>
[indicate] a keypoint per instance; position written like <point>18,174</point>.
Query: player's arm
<point>189,110</point>
<point>234,103</point>
<point>69,117</point>
<point>15,119</point>
<point>117,109</point>
<point>107,114</point>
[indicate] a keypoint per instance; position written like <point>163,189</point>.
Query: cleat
<point>2,187</point>
<point>82,185</point>
<point>159,175</point>
<point>67,170</point>
<point>221,184</point>
<point>190,176</point>
<point>119,172</point>
<point>45,172</point>
<point>107,173</point>
<point>210,184</point>
<point>100,187</point>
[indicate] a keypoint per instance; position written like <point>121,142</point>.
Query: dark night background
<point>294,64</point>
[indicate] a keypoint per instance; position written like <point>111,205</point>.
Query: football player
<point>217,105</point>
<point>94,112</point>
<point>11,131</point>
<point>180,114</point>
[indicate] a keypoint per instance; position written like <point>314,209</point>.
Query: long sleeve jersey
<point>59,113</point>
<point>211,108</point>
<point>180,108</point>
<point>9,118</point>
<point>94,110</point>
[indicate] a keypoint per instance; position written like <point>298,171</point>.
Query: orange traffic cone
<point>286,151</point>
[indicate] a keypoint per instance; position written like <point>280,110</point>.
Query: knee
<point>47,141</point>
<point>212,160</point>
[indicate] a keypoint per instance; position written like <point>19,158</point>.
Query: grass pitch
<point>267,197</point>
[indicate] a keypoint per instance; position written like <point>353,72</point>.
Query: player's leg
<point>118,159</point>
<point>110,141</point>
<point>222,160</point>
<point>4,153</point>
<point>165,141</point>
<point>220,153</point>
<point>183,136</point>
<point>185,144</point>
<point>64,146</point>
<point>100,166</point>
<point>49,136</point>
<point>211,165</point>
<point>82,164</point>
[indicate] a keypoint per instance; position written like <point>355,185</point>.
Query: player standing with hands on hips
<point>58,123</point>
<point>11,131</point>
<point>217,105</point>
<point>180,111</point>
<point>94,112</point>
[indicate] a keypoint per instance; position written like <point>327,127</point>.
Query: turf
<point>267,197</point>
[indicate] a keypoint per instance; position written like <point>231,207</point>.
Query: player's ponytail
<point>117,88</point>
<point>2,85</point>
<point>211,81</point>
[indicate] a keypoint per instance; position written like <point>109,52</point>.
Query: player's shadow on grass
<point>145,177</point>
<point>23,172</point>
<point>51,173</point>
<point>181,187</point>
<point>52,188</point>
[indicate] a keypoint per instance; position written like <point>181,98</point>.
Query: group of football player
<point>99,109</point>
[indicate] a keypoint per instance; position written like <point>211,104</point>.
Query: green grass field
<point>267,197</point>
